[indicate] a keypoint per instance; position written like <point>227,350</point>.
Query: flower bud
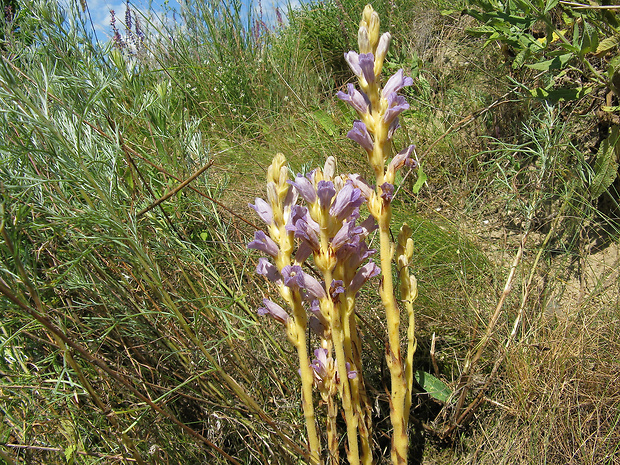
<point>381,52</point>
<point>362,39</point>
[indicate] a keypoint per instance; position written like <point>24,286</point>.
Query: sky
<point>100,12</point>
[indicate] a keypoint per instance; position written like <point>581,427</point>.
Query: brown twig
<point>176,189</point>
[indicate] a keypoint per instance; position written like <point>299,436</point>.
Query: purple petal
<point>305,188</point>
<point>346,234</point>
<point>269,270</point>
<point>396,105</point>
<point>325,191</point>
<point>303,252</point>
<point>321,357</point>
<point>366,272</point>
<point>351,374</point>
<point>353,59</point>
<point>274,310</point>
<point>297,213</point>
<point>313,286</point>
<point>347,202</point>
<point>367,65</point>
<point>359,255</point>
<point>290,199</point>
<point>368,225</point>
<point>356,99</point>
<point>387,193</point>
<point>394,125</point>
<point>336,288</point>
<point>264,243</point>
<point>401,159</point>
<point>362,185</point>
<point>360,134</point>
<point>293,276</point>
<point>316,326</point>
<point>382,47</point>
<point>308,230</point>
<point>396,83</point>
<point>264,210</point>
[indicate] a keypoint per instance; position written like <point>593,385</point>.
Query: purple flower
<point>402,158</point>
<point>305,188</point>
<point>351,374</point>
<point>360,134</point>
<point>325,191</point>
<point>303,252</point>
<point>367,64</point>
<point>387,193</point>
<point>356,99</point>
<point>319,364</point>
<point>268,270</point>
<point>353,59</point>
<point>314,288</point>
<point>264,243</point>
<point>347,202</point>
<point>395,83</point>
<point>274,310</point>
<point>322,363</point>
<point>362,185</point>
<point>295,278</point>
<point>304,226</point>
<point>394,125</point>
<point>291,198</point>
<point>368,225</point>
<point>336,288</point>
<point>396,105</point>
<point>357,256</point>
<point>347,234</point>
<point>264,210</point>
<point>366,272</point>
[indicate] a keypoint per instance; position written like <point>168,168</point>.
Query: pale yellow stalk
<point>277,188</point>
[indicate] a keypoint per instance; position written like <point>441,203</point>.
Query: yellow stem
<point>307,378</point>
<point>398,396</point>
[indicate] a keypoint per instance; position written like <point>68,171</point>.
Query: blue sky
<point>100,12</point>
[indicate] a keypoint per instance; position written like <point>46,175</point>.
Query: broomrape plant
<point>318,215</point>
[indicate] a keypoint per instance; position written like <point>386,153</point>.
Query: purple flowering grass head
<point>360,134</point>
<point>264,243</point>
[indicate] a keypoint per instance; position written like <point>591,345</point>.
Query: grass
<point>128,329</point>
